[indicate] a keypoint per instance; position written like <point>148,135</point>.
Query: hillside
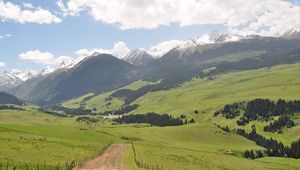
<point>252,53</point>
<point>211,94</point>
<point>95,74</point>
<point>206,96</point>
<point>205,61</point>
<point>104,101</point>
<point>6,98</point>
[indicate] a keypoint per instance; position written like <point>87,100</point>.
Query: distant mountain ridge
<point>291,34</point>
<point>6,98</point>
<point>96,73</point>
<point>103,72</point>
<point>9,80</point>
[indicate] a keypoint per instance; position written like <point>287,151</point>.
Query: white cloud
<point>13,12</point>
<point>5,36</point>
<point>119,50</point>
<point>2,64</point>
<point>46,58</point>
<point>38,57</point>
<point>267,16</point>
<point>88,52</point>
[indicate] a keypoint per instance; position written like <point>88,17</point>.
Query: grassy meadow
<point>33,137</point>
<point>209,95</point>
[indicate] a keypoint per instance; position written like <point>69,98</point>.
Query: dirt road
<point>113,158</point>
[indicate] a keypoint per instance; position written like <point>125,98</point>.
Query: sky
<point>36,34</point>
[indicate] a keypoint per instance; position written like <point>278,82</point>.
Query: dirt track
<point>113,158</point>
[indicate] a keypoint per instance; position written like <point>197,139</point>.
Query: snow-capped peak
<point>135,53</point>
<point>138,57</point>
<point>47,70</point>
<point>291,34</point>
<point>213,37</point>
<point>24,75</point>
<point>8,81</point>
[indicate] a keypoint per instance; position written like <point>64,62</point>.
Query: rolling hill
<point>6,98</point>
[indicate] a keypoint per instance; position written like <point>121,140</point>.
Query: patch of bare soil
<point>113,158</point>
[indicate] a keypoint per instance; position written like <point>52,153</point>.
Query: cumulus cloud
<point>45,58</point>
<point>88,52</point>
<point>267,16</point>
<point>13,12</point>
<point>2,64</point>
<point>38,57</point>
<point>119,50</point>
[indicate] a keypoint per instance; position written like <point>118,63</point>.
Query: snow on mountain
<point>8,81</point>
<point>163,47</point>
<point>291,34</point>
<point>138,57</point>
<point>46,71</point>
<point>213,37</point>
<point>24,75</point>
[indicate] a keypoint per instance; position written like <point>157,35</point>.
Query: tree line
<point>153,119</point>
<point>265,108</point>
<point>274,148</point>
<point>121,111</point>
<point>87,119</point>
<point>260,109</point>
<point>277,125</point>
<point>10,107</point>
<point>60,110</point>
<point>230,111</point>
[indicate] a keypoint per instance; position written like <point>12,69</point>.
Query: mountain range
<point>9,80</point>
<point>98,73</point>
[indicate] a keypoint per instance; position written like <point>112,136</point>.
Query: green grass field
<point>209,95</point>
<point>33,137</point>
<point>100,103</point>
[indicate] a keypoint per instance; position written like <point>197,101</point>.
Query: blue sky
<point>81,28</point>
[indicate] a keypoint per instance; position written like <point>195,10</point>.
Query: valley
<point>150,85</point>
<point>198,145</point>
